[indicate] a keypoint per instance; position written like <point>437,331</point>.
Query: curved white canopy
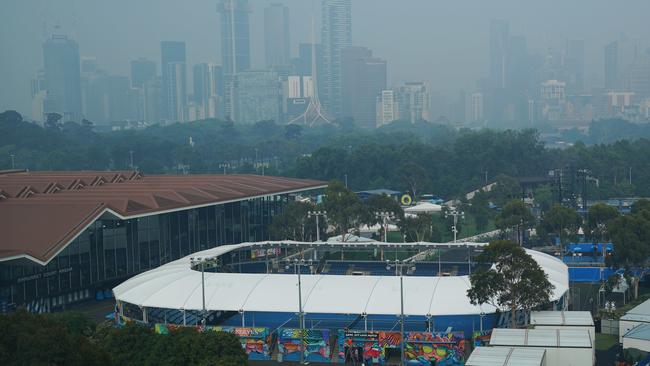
<point>176,286</point>
<point>425,207</point>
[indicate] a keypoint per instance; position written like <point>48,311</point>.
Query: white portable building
<point>637,316</point>
<point>563,320</point>
<point>503,356</point>
<point>638,337</point>
<point>564,347</point>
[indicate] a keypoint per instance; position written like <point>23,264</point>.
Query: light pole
<point>317,214</point>
<point>399,265</point>
<point>384,216</point>
<point>224,166</point>
<point>455,214</point>
<point>298,264</point>
<point>13,162</point>
<point>201,262</point>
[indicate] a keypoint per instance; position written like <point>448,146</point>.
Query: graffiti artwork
<point>255,341</point>
<point>368,347</point>
<point>481,338</point>
<point>166,328</point>
<point>317,345</point>
<point>443,348</point>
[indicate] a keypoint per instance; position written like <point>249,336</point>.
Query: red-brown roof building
<point>66,235</point>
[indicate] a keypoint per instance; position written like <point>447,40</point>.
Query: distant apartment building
<point>257,96</point>
<point>387,107</point>
<point>553,96</point>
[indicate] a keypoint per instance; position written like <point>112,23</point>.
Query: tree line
<point>71,339</point>
<point>420,158</point>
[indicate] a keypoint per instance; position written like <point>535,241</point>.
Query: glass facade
<point>111,250</point>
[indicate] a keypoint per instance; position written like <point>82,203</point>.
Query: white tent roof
<point>426,207</point>
<point>563,318</point>
<point>176,286</point>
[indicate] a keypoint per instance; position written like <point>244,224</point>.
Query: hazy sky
<point>442,42</point>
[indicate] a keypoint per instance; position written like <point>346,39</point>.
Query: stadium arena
<point>343,300</point>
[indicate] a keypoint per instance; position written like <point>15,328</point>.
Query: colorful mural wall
<point>369,347</point>
<point>255,341</point>
<point>446,349</point>
<point>317,344</point>
<point>481,338</point>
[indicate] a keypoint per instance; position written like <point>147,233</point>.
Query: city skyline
<point>431,71</point>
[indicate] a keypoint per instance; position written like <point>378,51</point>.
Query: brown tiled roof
<point>41,212</point>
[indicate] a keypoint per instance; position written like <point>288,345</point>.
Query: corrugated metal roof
<point>639,332</point>
<point>564,318</point>
<point>41,212</point>
<point>573,338</point>
<point>501,356</point>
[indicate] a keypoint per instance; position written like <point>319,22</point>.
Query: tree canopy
<point>507,277</point>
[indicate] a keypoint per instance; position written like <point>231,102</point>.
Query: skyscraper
<point>276,35</point>
<point>62,77</point>
<point>336,35</point>
<point>257,96</point>
<point>611,66</point>
<point>575,64</point>
<point>174,79</point>
<point>142,70</point>
<point>363,79</point>
<point>234,27</point>
<point>208,89</point>
<point>499,38</point>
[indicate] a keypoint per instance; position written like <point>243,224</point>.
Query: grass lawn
<point>605,341</point>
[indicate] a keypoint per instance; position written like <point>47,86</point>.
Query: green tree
<point>515,214</point>
<point>543,196</point>
<point>294,224</point>
<point>30,339</point>
<point>505,190</point>
<point>562,221</point>
<point>508,277</point>
<point>418,228</point>
<point>630,235</point>
<point>413,177</point>
<point>598,218</point>
<point>344,209</point>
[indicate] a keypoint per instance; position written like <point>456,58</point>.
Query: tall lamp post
<point>384,216</point>
<point>317,214</point>
<point>298,264</point>
<point>454,229</point>
<point>399,265</point>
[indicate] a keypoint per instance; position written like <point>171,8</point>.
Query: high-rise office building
<point>499,39</point>
<point>142,70</point>
<point>336,35</point>
<point>174,79</point>
<point>277,44</point>
<point>152,96</point>
<point>611,66</point>
<point>257,96</point>
<point>363,79</point>
<point>575,65</point>
<point>177,91</point>
<point>235,36</point>
<point>208,89</point>
<point>62,77</point>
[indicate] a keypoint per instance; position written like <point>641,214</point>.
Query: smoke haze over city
<point>444,43</point>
